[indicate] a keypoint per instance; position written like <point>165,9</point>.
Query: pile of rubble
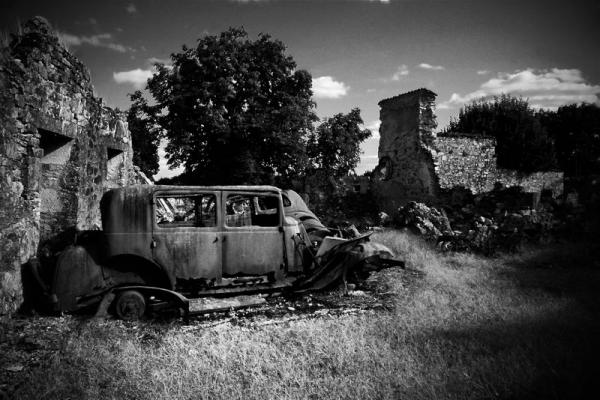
<point>485,225</point>
<point>423,220</point>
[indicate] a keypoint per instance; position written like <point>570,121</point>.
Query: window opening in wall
<point>384,169</point>
<point>251,210</point>
<point>181,211</point>
<point>112,153</point>
<point>56,147</point>
<point>115,159</point>
<point>56,204</point>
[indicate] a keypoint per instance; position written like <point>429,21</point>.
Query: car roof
<point>147,189</point>
<point>246,188</point>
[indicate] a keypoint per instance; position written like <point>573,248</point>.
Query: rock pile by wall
<point>60,149</point>
<point>488,223</point>
<point>417,165</point>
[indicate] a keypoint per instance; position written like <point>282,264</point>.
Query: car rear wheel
<point>130,305</point>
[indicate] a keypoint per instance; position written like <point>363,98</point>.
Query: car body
<point>196,241</point>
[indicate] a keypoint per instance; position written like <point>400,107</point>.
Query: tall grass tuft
<point>463,327</point>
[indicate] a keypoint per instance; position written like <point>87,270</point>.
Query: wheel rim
<point>130,305</point>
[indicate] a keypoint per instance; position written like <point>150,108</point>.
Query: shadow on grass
<point>553,354</point>
<point>553,357</point>
<point>569,270</point>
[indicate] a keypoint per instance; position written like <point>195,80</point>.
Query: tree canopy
<point>522,142</point>
<point>144,137</point>
<point>335,146</point>
<point>234,111</point>
<point>575,129</point>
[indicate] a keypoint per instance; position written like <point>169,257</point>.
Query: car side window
<point>251,210</point>
<point>186,211</point>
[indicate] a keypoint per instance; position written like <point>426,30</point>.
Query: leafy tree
<point>234,111</point>
<point>522,143</point>
<point>334,152</point>
<point>144,136</point>
<point>334,148</point>
<point>576,132</point>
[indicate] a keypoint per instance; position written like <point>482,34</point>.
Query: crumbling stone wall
<point>56,143</point>
<point>416,165</point>
<point>470,162</point>
<point>465,161</point>
<point>406,170</point>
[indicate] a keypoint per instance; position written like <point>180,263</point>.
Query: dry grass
<point>521,326</point>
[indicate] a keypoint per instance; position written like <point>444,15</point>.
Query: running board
<point>283,285</point>
<point>210,304</point>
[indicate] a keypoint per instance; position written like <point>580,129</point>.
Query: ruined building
<point>60,149</point>
<point>416,164</point>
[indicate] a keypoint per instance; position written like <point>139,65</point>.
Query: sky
<point>357,51</point>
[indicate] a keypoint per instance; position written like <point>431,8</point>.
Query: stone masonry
<point>406,154</point>
<point>60,149</point>
<point>417,165</point>
<point>470,162</point>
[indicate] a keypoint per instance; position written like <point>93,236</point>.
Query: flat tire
<point>130,305</point>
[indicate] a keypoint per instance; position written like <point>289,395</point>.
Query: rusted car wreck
<point>163,245</point>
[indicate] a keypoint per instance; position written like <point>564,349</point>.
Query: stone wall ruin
<point>470,162</point>
<point>417,165</point>
<point>61,148</point>
<point>406,162</point>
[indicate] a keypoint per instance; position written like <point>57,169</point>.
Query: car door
<point>252,234</point>
<point>186,234</point>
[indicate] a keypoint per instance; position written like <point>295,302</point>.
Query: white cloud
<point>367,163</point>
<point>326,87</point>
<point>164,170</point>
<point>401,71</point>
<point>131,8</point>
<point>156,60</point>
<point>139,76</point>
<point>548,89</point>
<point>99,40</point>
<point>373,126</point>
<point>136,77</point>
<point>483,72</point>
<point>380,1</point>
<point>431,67</point>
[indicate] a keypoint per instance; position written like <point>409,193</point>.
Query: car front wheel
<point>130,305</point>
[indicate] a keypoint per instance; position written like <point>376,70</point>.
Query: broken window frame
<point>255,211</point>
<point>166,202</point>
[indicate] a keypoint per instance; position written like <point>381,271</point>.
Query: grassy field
<point>517,326</point>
